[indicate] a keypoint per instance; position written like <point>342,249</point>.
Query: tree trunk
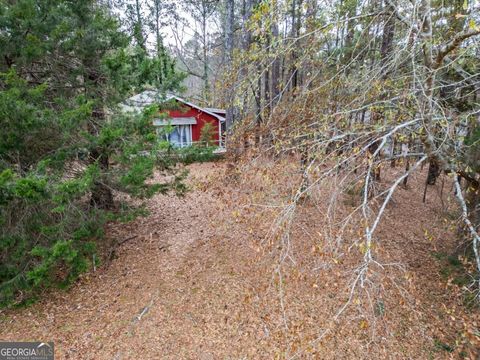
<point>349,36</point>
<point>246,42</point>
<point>276,62</point>
<point>101,196</point>
<point>230,14</point>
<point>206,85</point>
<point>138,27</point>
<point>295,31</point>
<point>387,38</point>
<point>258,110</point>
<point>433,172</point>
<point>375,174</point>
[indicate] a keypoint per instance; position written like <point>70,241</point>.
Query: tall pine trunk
<point>102,196</point>
<point>229,23</point>
<point>275,73</point>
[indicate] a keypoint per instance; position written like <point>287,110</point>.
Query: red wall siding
<point>201,118</point>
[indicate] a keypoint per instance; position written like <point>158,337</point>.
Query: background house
<point>187,119</point>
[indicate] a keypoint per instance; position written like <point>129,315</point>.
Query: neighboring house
<point>187,121</point>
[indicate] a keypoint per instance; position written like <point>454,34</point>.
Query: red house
<point>187,121</point>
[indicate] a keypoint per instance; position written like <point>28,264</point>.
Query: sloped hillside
<point>213,276</point>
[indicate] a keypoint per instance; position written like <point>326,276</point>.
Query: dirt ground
<point>206,278</point>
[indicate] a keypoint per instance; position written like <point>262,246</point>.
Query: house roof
<point>217,111</point>
<point>148,97</point>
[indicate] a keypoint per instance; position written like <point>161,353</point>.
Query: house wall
<point>201,117</point>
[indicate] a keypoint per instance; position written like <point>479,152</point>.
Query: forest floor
<point>202,279</point>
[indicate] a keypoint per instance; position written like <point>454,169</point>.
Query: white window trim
<point>175,121</point>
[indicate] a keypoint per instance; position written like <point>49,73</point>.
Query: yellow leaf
<point>472,24</point>
<point>363,324</point>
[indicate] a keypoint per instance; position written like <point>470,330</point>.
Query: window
<point>181,130</point>
<point>181,135</point>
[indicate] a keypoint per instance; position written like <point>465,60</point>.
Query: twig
<point>125,240</point>
<point>114,247</point>
<point>471,228</point>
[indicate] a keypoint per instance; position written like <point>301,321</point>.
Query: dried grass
<point>203,272</point>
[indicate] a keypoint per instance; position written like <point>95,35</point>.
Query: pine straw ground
<point>202,279</point>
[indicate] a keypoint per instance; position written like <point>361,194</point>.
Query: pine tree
<point>64,65</point>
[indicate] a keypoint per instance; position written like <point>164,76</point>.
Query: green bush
<point>192,154</point>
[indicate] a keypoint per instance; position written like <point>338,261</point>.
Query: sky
<point>176,31</point>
